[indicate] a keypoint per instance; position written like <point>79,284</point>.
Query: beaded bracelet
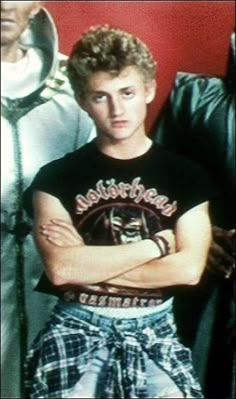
<point>162,244</point>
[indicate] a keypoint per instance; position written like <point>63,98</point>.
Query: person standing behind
<point>118,224</point>
<point>40,121</point>
<point>198,121</point>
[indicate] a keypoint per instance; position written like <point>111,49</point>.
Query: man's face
<point>15,18</point>
<point>118,104</point>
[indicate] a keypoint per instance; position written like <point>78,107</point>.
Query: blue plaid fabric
<point>82,354</point>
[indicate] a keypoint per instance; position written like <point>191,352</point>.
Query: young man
<point>118,224</point>
<point>36,99</point>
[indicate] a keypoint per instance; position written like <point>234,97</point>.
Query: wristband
<point>162,244</point>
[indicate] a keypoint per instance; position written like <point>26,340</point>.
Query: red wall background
<point>191,36</point>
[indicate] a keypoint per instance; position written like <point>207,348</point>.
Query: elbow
<point>194,275</point>
<point>55,277</point>
<point>56,273</point>
<point>60,274</point>
<point>194,281</point>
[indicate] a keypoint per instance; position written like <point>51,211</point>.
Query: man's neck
<point>125,150</point>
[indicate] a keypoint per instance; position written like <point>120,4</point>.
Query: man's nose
<point>116,107</point>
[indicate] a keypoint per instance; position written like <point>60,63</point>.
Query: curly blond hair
<point>108,49</point>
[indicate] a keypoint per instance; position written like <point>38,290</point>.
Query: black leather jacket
<point>198,121</point>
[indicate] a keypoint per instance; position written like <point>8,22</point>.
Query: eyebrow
<point>105,92</point>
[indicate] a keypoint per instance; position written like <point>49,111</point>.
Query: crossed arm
<point>68,260</point>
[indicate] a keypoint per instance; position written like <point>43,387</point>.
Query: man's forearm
<point>175,269</point>
<point>185,266</point>
<point>69,260</point>
<point>92,264</point>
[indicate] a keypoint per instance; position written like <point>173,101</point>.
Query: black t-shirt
<point>113,201</point>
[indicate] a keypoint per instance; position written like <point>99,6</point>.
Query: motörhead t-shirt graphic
<point>115,202</point>
<point>119,212</point>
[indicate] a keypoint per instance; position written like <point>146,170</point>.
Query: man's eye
<point>128,94</point>
<point>99,98</point>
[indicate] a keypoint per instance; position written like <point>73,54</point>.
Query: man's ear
<point>150,89</point>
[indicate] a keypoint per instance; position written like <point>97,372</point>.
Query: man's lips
<point>121,123</point>
<point>7,21</point>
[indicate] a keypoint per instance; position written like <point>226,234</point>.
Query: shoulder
<point>198,82</point>
<point>172,159</point>
<point>188,181</point>
<point>196,92</point>
<point>182,171</point>
<point>57,176</point>
<point>69,160</point>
